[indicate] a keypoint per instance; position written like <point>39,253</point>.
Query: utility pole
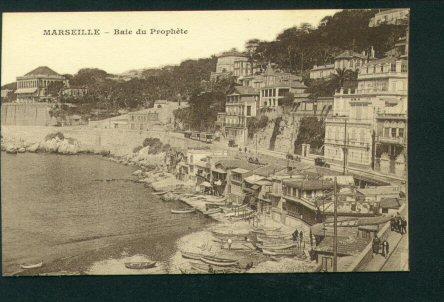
<point>345,148</point>
<point>335,228</point>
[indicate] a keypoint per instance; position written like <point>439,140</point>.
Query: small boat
<point>161,193</point>
<point>29,266</point>
<point>218,261</point>
<point>279,253</point>
<point>213,211</point>
<point>191,255</point>
<point>276,246</point>
<point>182,211</point>
<point>140,265</point>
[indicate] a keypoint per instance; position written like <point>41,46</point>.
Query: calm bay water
<point>54,210</point>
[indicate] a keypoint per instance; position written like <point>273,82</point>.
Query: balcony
<point>235,125</point>
<point>392,140</point>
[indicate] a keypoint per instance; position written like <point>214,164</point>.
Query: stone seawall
<point>35,114</point>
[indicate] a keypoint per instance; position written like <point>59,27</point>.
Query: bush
<point>54,135</point>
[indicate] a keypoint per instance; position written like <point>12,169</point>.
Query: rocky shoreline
<point>152,171</point>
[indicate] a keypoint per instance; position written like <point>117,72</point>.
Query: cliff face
<point>279,134</point>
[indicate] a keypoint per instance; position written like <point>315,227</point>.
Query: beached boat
<point>219,261</point>
<point>279,252</point>
<point>213,211</point>
<point>191,255</point>
<point>140,265</point>
<point>185,211</point>
<point>276,246</point>
<point>161,193</point>
<point>29,266</point>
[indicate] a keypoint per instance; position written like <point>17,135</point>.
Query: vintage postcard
<point>204,142</point>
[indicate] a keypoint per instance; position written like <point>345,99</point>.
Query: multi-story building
<point>322,71</point>
<point>232,63</point>
<point>33,86</point>
<point>391,140</point>
<point>240,105</point>
<point>275,85</point>
<point>390,16</point>
<point>348,60</point>
<point>350,132</point>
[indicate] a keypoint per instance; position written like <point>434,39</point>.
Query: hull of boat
<point>182,211</point>
<point>140,265</point>
<point>29,266</point>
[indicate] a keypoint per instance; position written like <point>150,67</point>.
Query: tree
<point>55,88</point>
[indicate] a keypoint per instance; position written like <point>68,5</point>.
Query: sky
<point>25,47</point>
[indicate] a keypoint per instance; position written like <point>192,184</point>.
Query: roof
<point>348,54</point>
<point>240,170</point>
<point>385,60</point>
<point>42,70</point>
<point>380,190</point>
<point>390,203</point>
<point>232,163</point>
<point>231,53</point>
<point>390,11</point>
<point>245,90</point>
<point>253,178</point>
<point>268,170</point>
<point>346,246</point>
<point>308,184</point>
<point>322,67</point>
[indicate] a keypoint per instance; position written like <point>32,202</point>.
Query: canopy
<point>26,90</point>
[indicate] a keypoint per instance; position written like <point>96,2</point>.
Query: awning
<point>206,184</point>
<point>26,90</point>
<point>239,170</point>
<point>253,178</point>
<point>219,171</point>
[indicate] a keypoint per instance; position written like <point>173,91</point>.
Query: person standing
<point>404,225</point>
<point>295,236</point>
<point>376,244</point>
<point>385,248</point>
<point>229,243</point>
<point>301,238</point>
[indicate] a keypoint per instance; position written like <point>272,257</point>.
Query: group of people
<point>398,224</point>
<point>381,247</point>
<point>298,238</point>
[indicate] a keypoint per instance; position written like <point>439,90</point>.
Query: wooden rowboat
<point>182,211</point>
<point>219,261</point>
<point>276,246</point>
<point>29,266</point>
<point>140,265</point>
<point>191,255</point>
<point>279,253</point>
<point>161,193</point>
<point>213,211</point>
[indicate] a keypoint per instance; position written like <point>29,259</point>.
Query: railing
<point>391,140</point>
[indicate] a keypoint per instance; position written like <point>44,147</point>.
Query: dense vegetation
<point>311,131</point>
<point>299,48</point>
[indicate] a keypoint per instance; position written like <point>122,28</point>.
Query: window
<point>382,68</point>
<point>393,67</point>
<point>248,110</point>
<point>386,132</point>
<point>401,132</point>
<point>393,132</point>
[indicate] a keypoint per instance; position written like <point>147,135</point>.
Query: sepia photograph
<point>204,142</point>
